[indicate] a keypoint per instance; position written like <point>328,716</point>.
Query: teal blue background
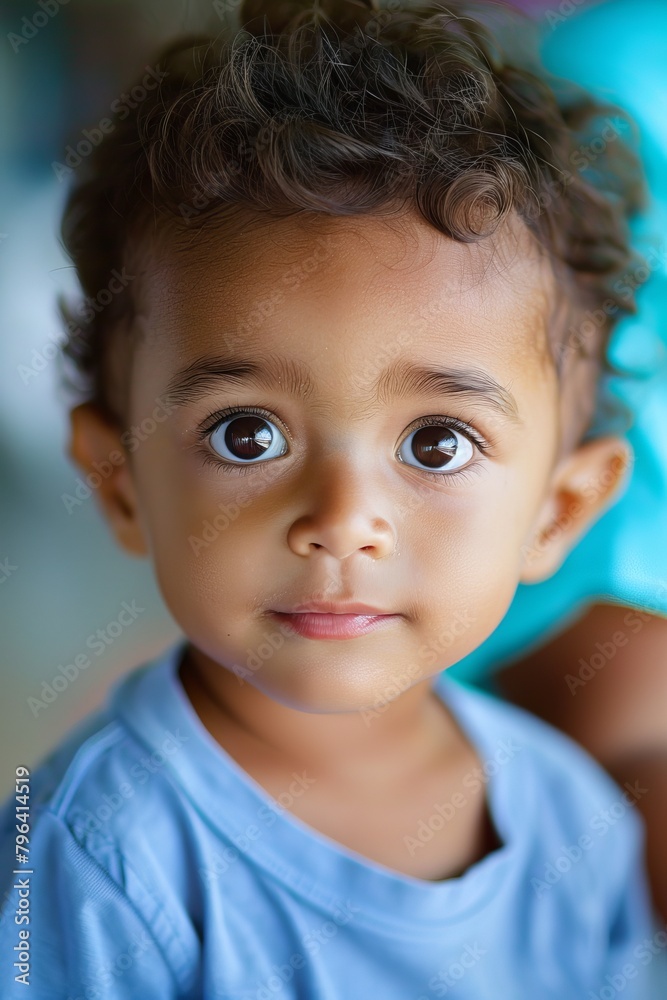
<point>618,50</point>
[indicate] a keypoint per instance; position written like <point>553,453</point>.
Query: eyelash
<point>221,465</point>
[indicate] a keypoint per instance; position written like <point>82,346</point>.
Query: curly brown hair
<point>345,108</point>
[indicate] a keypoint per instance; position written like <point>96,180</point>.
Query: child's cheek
<point>466,569</point>
<point>221,553</point>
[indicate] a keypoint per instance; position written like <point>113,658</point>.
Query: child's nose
<point>342,511</point>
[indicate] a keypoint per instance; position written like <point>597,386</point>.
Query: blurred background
<point>62,65</point>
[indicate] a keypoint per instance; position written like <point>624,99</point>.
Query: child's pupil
<point>431,444</point>
<point>248,437</point>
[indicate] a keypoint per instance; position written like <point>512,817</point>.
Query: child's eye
<point>439,446</point>
<point>248,438</point>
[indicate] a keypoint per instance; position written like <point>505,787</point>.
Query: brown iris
<point>248,437</point>
<point>434,446</point>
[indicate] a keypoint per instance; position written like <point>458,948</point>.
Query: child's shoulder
<point>95,806</point>
<point>104,774</point>
<point>486,716</point>
<point>104,790</point>
<point>546,775</point>
<point>482,714</point>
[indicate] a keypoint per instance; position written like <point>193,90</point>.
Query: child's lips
<point>336,608</point>
<point>328,625</point>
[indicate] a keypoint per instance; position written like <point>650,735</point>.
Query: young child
<point>337,402</point>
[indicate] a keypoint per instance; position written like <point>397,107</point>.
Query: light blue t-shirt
<point>159,868</point>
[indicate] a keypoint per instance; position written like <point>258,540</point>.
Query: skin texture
<point>339,516</point>
<point>618,714</point>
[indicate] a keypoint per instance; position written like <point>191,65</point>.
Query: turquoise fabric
<point>618,51</point>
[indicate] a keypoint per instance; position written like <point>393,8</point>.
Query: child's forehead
<point>262,279</point>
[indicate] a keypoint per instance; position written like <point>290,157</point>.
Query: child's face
<point>338,516</point>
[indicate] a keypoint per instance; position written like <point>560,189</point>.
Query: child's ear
<point>583,485</point>
<point>95,445</point>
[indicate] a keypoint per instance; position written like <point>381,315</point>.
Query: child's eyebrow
<point>401,379</point>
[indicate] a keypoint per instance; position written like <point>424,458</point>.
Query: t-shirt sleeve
<point>87,939</point>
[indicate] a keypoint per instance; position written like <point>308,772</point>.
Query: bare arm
<point>604,682</point>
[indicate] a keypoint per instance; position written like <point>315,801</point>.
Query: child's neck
<point>382,745</point>
<point>366,786</point>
